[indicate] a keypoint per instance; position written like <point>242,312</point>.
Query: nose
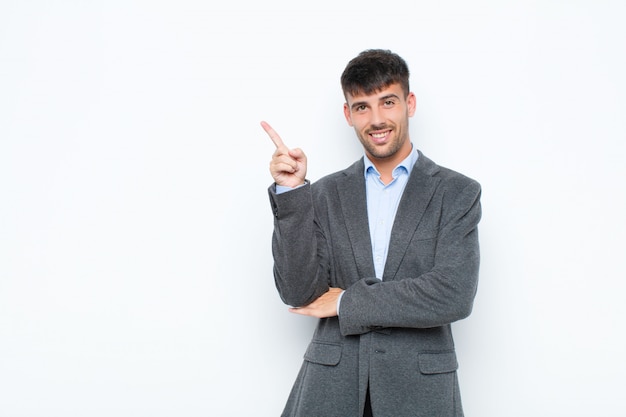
<point>377,117</point>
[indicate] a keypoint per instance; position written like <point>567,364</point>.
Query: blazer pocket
<point>437,363</point>
<point>323,353</point>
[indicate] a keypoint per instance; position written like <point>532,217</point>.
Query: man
<point>385,253</point>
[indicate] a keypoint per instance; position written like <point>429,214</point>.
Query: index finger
<point>273,135</point>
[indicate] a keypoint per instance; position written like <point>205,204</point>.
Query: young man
<point>385,253</point>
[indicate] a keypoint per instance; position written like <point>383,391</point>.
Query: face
<point>381,122</point>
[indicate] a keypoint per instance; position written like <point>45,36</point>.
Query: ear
<point>346,113</point>
<point>411,103</point>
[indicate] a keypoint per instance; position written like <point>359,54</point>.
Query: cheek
<point>359,122</point>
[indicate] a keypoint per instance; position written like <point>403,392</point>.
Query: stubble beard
<point>382,152</point>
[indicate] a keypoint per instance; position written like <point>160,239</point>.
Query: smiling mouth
<point>379,137</point>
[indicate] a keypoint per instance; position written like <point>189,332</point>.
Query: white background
<point>135,264</point>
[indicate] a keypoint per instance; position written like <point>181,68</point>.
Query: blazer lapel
<point>417,194</point>
<point>351,190</point>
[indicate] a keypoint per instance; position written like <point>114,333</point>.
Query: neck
<point>385,166</point>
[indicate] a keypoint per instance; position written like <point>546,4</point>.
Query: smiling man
<point>385,253</point>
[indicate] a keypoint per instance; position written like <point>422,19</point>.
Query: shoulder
<point>447,177</point>
<point>352,173</point>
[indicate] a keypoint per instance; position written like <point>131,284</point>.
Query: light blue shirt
<point>382,205</point>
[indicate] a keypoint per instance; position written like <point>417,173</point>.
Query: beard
<point>387,150</point>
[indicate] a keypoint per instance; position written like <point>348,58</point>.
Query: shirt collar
<point>407,164</point>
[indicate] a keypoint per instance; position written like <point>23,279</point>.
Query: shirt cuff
<point>283,189</point>
<point>339,301</point>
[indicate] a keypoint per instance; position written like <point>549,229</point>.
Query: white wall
<point>135,265</point>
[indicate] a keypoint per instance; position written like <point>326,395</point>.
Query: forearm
<point>430,300</point>
<point>299,277</point>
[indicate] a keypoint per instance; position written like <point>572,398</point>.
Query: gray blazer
<point>393,335</point>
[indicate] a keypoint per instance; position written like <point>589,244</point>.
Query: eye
<point>389,103</point>
<point>361,108</point>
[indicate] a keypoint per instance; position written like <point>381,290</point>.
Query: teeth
<point>379,135</point>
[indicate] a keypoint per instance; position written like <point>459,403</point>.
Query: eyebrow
<point>383,98</point>
<point>388,96</point>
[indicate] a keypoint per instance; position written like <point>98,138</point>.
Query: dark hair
<point>373,70</point>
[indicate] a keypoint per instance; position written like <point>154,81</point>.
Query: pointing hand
<point>288,166</point>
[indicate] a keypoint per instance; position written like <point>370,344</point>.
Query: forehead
<point>391,90</point>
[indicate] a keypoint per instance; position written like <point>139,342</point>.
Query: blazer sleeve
<point>436,297</point>
<point>300,274</point>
